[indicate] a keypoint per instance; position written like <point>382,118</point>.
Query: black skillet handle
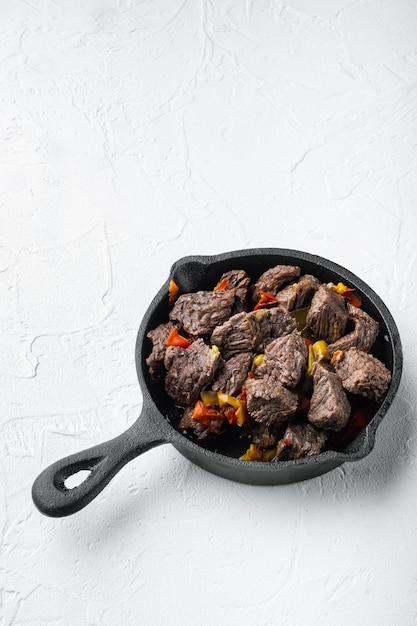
<point>104,460</point>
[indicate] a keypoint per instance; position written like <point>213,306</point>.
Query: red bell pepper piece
<point>265,299</point>
<point>222,284</point>
<point>349,293</point>
<point>173,290</point>
<point>177,340</point>
<point>206,414</point>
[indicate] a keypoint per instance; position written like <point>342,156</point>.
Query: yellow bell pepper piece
<point>320,351</point>
<point>241,411</point>
<point>209,398</point>
<point>311,361</point>
<point>253,453</point>
<point>258,360</point>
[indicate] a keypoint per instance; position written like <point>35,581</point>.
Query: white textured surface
<point>134,133</point>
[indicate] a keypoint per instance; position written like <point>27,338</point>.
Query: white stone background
<point>136,132</point>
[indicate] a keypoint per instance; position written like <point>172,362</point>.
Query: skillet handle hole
<point>76,479</point>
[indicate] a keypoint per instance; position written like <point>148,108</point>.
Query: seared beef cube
<point>231,374</point>
<point>285,360</point>
<point>269,402</point>
<point>268,324</point>
<point>200,312</point>
<point>329,406</point>
<point>363,335</point>
<point>286,297</point>
<point>327,316</point>
<point>155,360</point>
<point>199,431</point>
<point>264,436</point>
<point>244,332</point>
<point>238,283</point>
<point>300,441</point>
<point>363,374</point>
<point>233,336</point>
<point>189,370</point>
<point>298,294</point>
<point>305,289</point>
<point>273,279</point>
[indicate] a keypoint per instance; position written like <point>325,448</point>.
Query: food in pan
<point>283,363</point>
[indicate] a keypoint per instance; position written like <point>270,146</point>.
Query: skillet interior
<point>200,273</point>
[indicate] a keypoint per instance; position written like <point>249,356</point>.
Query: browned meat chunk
<point>268,324</point>
<point>285,360</point>
<point>298,294</point>
<point>200,312</point>
<point>329,406</point>
<point>244,332</point>
<point>328,315</point>
<point>264,436</point>
<point>233,336</point>
<point>189,370</point>
<point>363,374</point>
<point>200,431</point>
<point>299,441</point>
<point>269,402</point>
<point>155,360</point>
<point>238,283</point>
<point>363,335</point>
<point>273,279</point>
<point>232,374</point>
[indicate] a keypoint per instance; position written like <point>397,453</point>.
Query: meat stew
<point>260,366</point>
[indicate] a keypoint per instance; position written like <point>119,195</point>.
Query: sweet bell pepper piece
<point>173,290</point>
<point>257,360</point>
<point>268,455</point>
<point>253,453</point>
<point>265,299</point>
<point>310,362</point>
<point>320,351</point>
<point>317,352</point>
<point>342,288</point>
<point>338,356</point>
<point>206,414</point>
<point>177,340</point>
<point>221,284</point>
<point>209,398</point>
<point>354,299</point>
<point>349,293</point>
<point>240,407</point>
